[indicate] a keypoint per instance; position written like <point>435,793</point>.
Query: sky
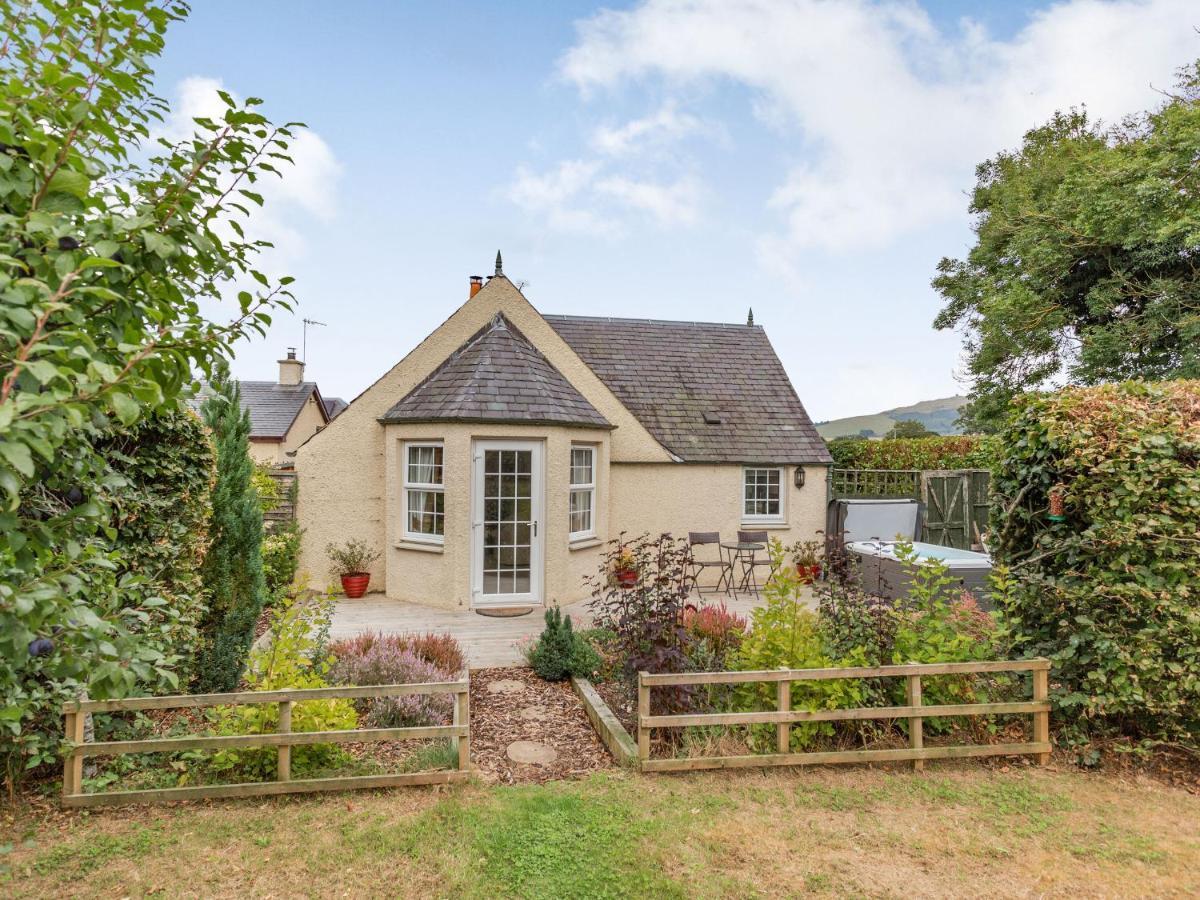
<point>671,159</point>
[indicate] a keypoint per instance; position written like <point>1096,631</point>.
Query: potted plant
<point>350,562</point>
<point>807,557</point>
<point>624,568</point>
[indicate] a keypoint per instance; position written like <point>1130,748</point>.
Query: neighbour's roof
<point>709,393</point>
<point>273,407</point>
<point>333,406</point>
<point>496,376</point>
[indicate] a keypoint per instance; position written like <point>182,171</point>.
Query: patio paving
<point>488,642</point>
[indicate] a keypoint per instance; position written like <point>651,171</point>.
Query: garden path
<point>488,642</point>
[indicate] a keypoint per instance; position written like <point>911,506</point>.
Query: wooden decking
<point>488,641</point>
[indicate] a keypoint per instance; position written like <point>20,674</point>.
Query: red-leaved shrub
<point>721,629</point>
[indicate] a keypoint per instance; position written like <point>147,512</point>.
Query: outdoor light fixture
<point>798,478</point>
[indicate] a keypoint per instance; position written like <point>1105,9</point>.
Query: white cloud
<point>579,196</point>
<point>664,125</point>
<point>894,112</point>
<point>306,190</point>
<point>677,203</point>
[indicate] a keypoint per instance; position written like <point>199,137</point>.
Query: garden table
<point>743,552</point>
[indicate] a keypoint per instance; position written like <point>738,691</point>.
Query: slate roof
<point>333,406</point>
<point>672,375</point>
<point>496,376</point>
<point>273,407</point>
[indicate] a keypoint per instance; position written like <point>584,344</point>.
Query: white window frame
<point>769,519</point>
<point>418,536</point>
<point>589,488</point>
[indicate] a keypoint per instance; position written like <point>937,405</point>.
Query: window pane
<point>426,512</point>
<point>581,465</point>
<point>581,510</point>
<point>424,465</point>
<point>762,492</point>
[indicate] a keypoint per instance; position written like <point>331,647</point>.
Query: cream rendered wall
<point>343,470</point>
<point>266,452</point>
<point>690,497</point>
<point>441,575</point>
<point>309,421</point>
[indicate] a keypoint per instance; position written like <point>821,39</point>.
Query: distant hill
<point>936,415</point>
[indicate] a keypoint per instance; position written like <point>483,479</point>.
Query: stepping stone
<point>531,753</point>
<point>505,686</point>
<point>532,714</point>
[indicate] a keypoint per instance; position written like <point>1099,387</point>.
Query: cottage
<point>283,413</point>
<point>492,463</point>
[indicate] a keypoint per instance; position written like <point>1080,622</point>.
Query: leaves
<point>1083,267</point>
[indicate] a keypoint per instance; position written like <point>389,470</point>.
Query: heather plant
<point>720,630</point>
<point>438,649</point>
<point>391,661</point>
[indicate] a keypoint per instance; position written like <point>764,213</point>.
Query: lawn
<point>953,830</point>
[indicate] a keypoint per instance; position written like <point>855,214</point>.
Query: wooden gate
<point>955,501</point>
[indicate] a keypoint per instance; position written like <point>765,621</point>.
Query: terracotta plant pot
<point>626,577</point>
<point>808,574</point>
<point>355,584</point>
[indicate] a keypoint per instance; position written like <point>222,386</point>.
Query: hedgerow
<point>964,451</point>
<point>1111,593</point>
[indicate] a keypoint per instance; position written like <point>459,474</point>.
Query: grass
<point>957,829</point>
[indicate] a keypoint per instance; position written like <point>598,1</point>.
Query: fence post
<point>1041,720</point>
<point>285,752</point>
<point>643,713</point>
<point>783,694</point>
<point>73,764</point>
<point>462,716</point>
<point>916,724</point>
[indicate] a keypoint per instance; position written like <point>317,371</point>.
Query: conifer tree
<point>232,571</point>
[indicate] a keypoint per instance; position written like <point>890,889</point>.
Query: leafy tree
<point>109,238</point>
<point>233,569</point>
<point>909,428</point>
<point>1085,265</point>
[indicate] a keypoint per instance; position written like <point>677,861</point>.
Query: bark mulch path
<point>529,709</point>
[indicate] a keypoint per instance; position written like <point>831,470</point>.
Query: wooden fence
<point>955,501</point>
<point>784,716</point>
<point>284,739</point>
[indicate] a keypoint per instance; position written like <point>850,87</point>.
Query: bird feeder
<point>1057,510</point>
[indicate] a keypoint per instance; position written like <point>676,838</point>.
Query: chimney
<point>291,370</point>
<point>476,284</point>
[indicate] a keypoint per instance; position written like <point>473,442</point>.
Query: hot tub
<point>883,574</point>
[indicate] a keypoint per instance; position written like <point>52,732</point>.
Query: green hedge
<point>1112,592</point>
<point>967,451</point>
<point>160,518</point>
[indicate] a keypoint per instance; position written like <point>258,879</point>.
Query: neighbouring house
<point>492,464</point>
<point>283,413</point>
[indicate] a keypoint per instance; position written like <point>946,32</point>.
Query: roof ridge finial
<point>750,317</point>
<point>499,264</point>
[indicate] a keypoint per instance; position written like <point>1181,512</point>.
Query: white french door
<point>506,532</point>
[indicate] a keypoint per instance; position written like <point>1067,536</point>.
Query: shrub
<point>721,630</point>
<point>966,451</point>
<point>784,633</point>
<point>389,659</point>
<point>440,650</point>
<point>232,571</point>
<point>351,558</point>
<point>1110,593</point>
<point>160,513</point>
<point>292,659</point>
<point>647,618</point>
<point>559,653</point>
<point>280,557</point>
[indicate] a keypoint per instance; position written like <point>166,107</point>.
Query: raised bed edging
<point>612,732</point>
